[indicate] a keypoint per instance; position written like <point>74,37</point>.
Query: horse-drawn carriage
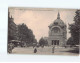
<point>14,43</point>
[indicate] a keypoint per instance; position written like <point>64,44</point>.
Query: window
<point>55,30</point>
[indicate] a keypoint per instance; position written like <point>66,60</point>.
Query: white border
<point>4,4</point>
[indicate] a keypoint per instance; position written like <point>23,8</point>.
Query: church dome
<point>58,21</point>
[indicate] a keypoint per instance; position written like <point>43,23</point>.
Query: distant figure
<point>42,46</point>
<point>65,46</point>
<point>10,47</point>
<point>35,50</point>
<point>53,49</point>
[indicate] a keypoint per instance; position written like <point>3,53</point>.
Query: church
<point>57,32</point>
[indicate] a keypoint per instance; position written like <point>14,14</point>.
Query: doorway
<point>55,42</point>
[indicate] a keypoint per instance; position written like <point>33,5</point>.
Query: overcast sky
<point>39,19</point>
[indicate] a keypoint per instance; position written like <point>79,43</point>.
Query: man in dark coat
<point>35,50</point>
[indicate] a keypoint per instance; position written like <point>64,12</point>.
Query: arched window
<point>55,30</point>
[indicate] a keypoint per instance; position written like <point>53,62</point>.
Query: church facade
<point>57,32</point>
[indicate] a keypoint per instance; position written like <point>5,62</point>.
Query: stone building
<point>11,28</point>
<point>57,32</point>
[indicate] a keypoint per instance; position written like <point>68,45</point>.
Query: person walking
<point>35,50</point>
<point>53,48</point>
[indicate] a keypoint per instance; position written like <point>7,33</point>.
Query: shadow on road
<point>74,50</point>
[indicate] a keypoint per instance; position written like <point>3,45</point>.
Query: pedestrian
<point>10,48</point>
<point>12,45</point>
<point>35,50</point>
<point>53,49</point>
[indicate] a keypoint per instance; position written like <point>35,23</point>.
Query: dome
<point>58,21</point>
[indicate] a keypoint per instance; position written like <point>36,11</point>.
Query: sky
<point>38,19</point>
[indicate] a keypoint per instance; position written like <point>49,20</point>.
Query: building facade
<point>11,28</point>
<point>57,32</point>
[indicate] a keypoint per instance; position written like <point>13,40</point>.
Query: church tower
<point>57,32</point>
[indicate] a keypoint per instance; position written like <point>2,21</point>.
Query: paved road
<point>41,51</point>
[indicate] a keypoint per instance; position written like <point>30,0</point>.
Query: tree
<point>43,42</point>
<point>75,28</point>
<point>22,32</point>
<point>70,41</point>
<point>25,34</point>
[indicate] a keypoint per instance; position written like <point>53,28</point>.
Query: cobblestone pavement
<point>43,51</point>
